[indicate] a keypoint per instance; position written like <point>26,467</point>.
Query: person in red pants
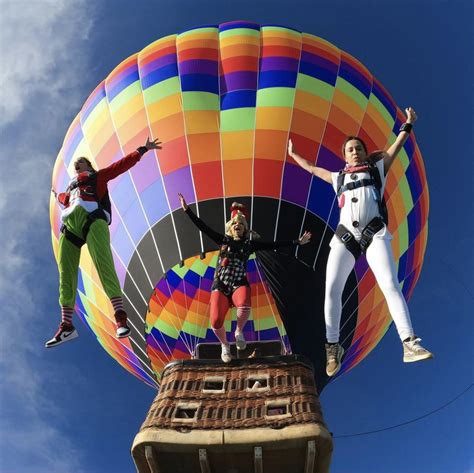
<point>230,286</point>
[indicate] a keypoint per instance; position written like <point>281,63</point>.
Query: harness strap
<point>350,242</point>
<point>347,237</point>
<point>90,188</point>
<point>74,239</point>
<point>340,182</point>
<point>97,214</point>
<point>375,175</point>
<point>375,180</point>
<point>373,227</point>
<point>355,185</point>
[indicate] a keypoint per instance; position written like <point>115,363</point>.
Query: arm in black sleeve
<point>215,236</point>
<point>272,245</point>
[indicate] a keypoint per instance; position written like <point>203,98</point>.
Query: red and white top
<point>84,195</point>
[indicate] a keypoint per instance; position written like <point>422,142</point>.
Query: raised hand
<point>290,147</point>
<point>304,238</point>
<point>183,201</point>
<point>155,144</point>
<point>411,115</point>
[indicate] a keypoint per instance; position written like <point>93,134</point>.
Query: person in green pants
<point>86,216</point>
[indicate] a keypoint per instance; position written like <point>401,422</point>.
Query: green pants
<point>98,243</point>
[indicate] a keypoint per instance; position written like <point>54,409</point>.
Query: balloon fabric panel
<point>224,100</point>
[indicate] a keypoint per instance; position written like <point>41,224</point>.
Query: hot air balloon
<point>225,99</point>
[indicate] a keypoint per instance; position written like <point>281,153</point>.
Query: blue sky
<point>73,409</point>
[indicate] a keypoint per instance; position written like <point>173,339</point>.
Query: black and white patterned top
<point>231,269</point>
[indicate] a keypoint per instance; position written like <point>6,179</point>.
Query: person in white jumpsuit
<point>359,206</point>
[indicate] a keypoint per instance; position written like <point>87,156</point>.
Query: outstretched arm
<point>153,144</point>
<point>263,245</point>
<point>322,173</point>
<point>213,235</point>
<point>62,198</point>
<point>392,152</point>
<point>124,164</point>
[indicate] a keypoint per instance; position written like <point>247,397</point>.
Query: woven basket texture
<point>289,397</point>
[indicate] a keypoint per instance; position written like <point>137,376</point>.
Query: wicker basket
<point>251,415</point>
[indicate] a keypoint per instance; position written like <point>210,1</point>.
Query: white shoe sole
<point>334,372</point>
<point>240,343</point>
<point>53,343</point>
<point>226,357</point>
<point>412,359</point>
<point>122,332</point>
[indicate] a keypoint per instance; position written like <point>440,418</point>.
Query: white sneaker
<point>226,357</point>
<point>240,341</point>
<point>413,351</point>
<point>65,333</point>
<point>123,330</point>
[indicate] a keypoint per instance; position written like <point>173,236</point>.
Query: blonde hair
<point>238,218</point>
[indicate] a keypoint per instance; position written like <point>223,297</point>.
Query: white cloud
<point>38,41</point>
<point>43,51</point>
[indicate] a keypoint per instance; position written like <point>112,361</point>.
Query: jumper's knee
<point>389,285</point>
<point>216,324</point>
<point>334,293</point>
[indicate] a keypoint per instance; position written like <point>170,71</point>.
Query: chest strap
<point>354,185</point>
<point>97,214</point>
<point>359,247</point>
<point>375,180</point>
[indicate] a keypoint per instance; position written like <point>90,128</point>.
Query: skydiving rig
<point>260,413</point>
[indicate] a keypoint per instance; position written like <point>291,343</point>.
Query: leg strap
<point>97,214</point>
<point>373,227</point>
<point>355,247</point>
<point>91,218</point>
<point>349,240</point>
<point>74,239</point>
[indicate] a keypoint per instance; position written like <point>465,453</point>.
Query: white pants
<point>380,258</point>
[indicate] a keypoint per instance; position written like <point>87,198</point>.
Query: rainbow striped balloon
<point>225,99</point>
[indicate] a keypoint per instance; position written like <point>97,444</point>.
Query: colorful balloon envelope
<point>224,100</point>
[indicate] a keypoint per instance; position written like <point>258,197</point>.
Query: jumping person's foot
<point>240,341</point>
<point>334,353</point>
<point>65,333</point>
<point>226,357</point>
<point>123,330</point>
<point>413,351</point>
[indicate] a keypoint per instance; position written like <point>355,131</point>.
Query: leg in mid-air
<point>68,265</point>
<point>380,258</point>
<point>219,305</point>
<point>339,266</point>
<point>98,243</point>
<point>241,301</point>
